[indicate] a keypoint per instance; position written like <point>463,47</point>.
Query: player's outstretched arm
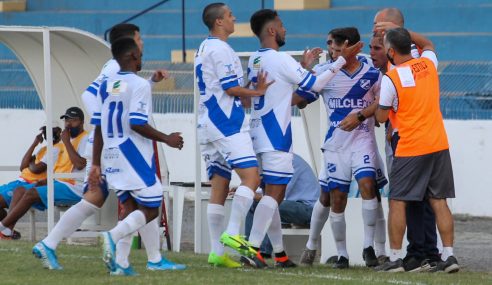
<point>421,41</point>
<point>174,140</point>
<point>325,77</point>
<point>260,87</point>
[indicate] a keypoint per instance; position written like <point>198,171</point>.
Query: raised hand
<point>351,51</point>
<point>381,27</point>
<point>310,56</point>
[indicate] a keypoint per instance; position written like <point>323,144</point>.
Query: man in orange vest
<point>33,169</point>
<point>422,252</point>
<point>66,191</point>
<point>422,165</point>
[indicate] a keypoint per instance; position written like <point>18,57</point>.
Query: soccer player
<point>33,169</point>
<point>70,160</point>
<point>422,251</point>
<point>223,132</point>
<point>95,197</point>
<point>271,124</point>
<point>350,149</point>
<point>123,138</point>
<point>422,164</point>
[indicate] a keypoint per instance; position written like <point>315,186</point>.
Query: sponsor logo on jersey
<point>116,87</point>
<point>336,103</point>
<point>256,63</point>
<point>112,170</point>
<point>229,69</point>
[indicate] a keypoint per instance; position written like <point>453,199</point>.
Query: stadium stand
<point>462,39</point>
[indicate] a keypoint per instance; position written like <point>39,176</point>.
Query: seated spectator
<point>66,191</point>
<point>301,195</point>
<point>33,169</point>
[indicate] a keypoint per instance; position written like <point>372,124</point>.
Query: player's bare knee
<point>31,195</point>
<point>338,201</point>
<point>324,199</point>
<point>150,213</point>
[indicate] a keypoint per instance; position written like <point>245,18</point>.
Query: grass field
<point>83,265</point>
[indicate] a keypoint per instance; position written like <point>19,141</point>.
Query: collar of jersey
<point>355,72</point>
<point>264,49</point>
<point>125,72</point>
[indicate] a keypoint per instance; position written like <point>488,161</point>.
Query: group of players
<point>354,93</point>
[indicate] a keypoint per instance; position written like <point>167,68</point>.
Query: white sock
<point>338,227</point>
<point>395,254</point>
<point>318,219</point>
<point>150,238</point>
<point>275,233</point>
<point>369,216</point>
<point>380,235</point>
<point>123,248</point>
<point>2,227</point>
<point>446,253</point>
<point>134,221</point>
<point>216,217</point>
<point>70,222</point>
<point>262,220</point>
<point>241,203</point>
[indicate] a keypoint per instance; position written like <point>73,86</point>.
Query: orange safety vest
<point>64,164</point>
<point>418,116</point>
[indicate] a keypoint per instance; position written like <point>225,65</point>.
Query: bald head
<point>392,15</point>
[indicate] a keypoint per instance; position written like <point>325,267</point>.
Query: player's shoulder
<point>321,67</point>
<point>110,67</point>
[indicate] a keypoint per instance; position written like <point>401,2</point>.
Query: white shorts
<point>223,155</point>
<point>276,167</point>
<point>150,197</point>
<point>340,166</point>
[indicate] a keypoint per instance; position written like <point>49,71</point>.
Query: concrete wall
<point>471,152</point>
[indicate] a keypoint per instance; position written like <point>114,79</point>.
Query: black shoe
<point>342,263</point>
<point>414,264</point>
<point>307,257</point>
<point>255,261</point>
<point>448,266</point>
<point>16,235</point>
<point>391,266</point>
<point>332,260</point>
<point>284,262</point>
<point>383,258</point>
<point>369,257</point>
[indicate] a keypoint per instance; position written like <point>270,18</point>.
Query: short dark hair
<point>340,35</point>
<point>400,40</point>
<point>211,13</point>
<point>122,46</point>
<point>122,31</point>
<point>260,19</point>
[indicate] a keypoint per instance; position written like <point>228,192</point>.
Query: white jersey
<point>271,115</point>
<point>110,68</point>
<point>128,157</point>
<point>218,68</point>
<point>346,94</point>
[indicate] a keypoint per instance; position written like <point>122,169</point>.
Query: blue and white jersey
<point>270,125</point>
<point>128,158</point>
<point>346,94</point>
<point>218,68</point>
<point>110,68</point>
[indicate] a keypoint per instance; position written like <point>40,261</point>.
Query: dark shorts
<point>413,178</point>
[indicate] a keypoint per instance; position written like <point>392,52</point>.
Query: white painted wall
<point>471,152</point>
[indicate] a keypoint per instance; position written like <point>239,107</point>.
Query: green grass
<point>83,265</point>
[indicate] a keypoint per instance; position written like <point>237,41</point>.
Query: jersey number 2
<point>118,106</point>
